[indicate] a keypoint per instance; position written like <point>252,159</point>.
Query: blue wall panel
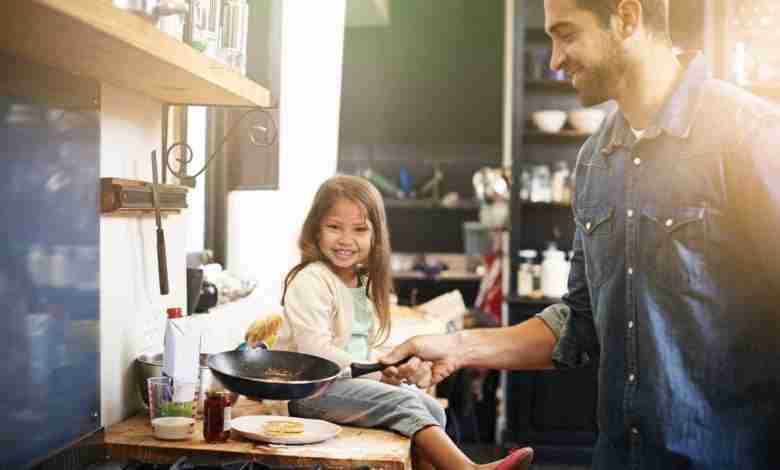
<point>49,261</point>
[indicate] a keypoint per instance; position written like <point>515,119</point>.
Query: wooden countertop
<point>94,39</point>
<point>353,447</point>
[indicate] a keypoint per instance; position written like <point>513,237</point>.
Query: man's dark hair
<point>655,14</point>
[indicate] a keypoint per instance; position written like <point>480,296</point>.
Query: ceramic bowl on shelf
<point>586,120</point>
<point>549,120</point>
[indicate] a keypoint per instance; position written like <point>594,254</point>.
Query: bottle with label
<point>216,416</point>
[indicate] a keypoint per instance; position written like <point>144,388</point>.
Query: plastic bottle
<point>555,272</point>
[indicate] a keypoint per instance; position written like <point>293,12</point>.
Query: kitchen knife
<point>162,262</point>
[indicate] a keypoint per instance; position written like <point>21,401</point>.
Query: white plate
<point>314,430</point>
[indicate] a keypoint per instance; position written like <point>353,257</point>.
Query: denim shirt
<point>675,282</point>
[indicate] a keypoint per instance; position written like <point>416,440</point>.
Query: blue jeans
<point>372,404</point>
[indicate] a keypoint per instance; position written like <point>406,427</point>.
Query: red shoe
<point>517,460</point>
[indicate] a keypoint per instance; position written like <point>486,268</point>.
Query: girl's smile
<point>345,238</point>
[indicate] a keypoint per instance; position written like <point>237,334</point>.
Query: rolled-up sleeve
<point>572,320</point>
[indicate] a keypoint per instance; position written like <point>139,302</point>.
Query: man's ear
<point>628,15</point>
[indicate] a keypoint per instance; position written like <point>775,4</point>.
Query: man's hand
<point>435,358</point>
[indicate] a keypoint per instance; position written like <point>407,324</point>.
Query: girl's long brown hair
<point>364,194</point>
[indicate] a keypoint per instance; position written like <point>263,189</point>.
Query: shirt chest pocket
<point>673,246</point>
<point>597,227</point>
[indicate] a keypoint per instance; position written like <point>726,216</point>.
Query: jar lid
<point>174,312</point>
<point>218,393</point>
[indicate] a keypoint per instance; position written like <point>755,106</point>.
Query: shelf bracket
<point>262,133</point>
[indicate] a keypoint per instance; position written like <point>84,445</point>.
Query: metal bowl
<point>150,365</point>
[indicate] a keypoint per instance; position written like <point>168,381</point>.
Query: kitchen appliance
<point>281,375</point>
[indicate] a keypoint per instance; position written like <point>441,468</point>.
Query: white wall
<point>263,225</point>
<point>132,311</point>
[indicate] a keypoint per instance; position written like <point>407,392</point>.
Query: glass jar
<point>216,416</point>
<point>235,22</point>
<point>541,190</point>
<point>525,275</point>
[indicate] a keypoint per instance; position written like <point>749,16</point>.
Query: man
<point>676,269</point>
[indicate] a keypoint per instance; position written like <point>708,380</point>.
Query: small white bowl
<point>587,120</point>
<point>549,120</point>
<point>173,428</point>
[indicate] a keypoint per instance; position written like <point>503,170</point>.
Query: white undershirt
<point>638,133</point>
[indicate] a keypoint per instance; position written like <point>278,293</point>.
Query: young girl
<point>336,305</point>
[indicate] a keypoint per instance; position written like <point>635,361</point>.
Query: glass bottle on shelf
<point>525,184</point>
<point>235,22</point>
<point>559,178</point>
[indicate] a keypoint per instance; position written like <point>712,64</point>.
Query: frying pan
<point>281,375</point>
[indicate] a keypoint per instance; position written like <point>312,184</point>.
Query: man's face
<point>589,54</point>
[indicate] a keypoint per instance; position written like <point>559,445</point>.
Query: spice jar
<point>216,416</point>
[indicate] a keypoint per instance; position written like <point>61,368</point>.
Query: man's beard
<point>596,86</point>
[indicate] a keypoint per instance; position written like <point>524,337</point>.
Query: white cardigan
<point>318,313</point>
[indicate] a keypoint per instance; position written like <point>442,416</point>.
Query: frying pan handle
<point>357,369</point>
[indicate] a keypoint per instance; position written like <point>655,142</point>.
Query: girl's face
<point>345,238</point>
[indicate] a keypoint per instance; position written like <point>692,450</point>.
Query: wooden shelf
<point>534,136</point>
<point>545,205</point>
<point>545,301</point>
<point>468,205</point>
<point>94,39</point>
<point>560,86</point>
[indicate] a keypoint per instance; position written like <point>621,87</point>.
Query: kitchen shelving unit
<point>95,39</point>
<point>540,406</point>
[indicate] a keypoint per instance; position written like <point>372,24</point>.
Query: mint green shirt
<point>362,324</point>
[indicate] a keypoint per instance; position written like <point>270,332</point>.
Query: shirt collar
<point>676,116</point>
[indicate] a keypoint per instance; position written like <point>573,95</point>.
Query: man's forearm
<point>528,345</point>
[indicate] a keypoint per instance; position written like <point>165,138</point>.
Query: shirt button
<point>637,161</point>
<point>635,431</point>
<point>631,378</point>
<point>587,226</point>
<point>669,222</point>
<point>630,271</point>
<point>630,325</point>
<point>630,212</point>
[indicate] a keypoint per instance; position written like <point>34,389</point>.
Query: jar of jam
<point>216,416</point>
